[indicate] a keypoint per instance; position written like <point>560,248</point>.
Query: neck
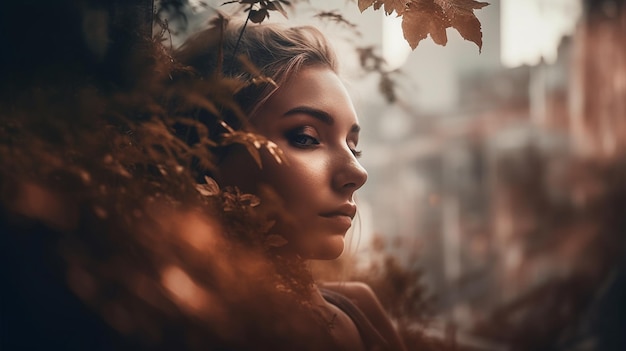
<point>316,297</point>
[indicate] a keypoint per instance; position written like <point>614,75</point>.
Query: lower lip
<point>340,222</point>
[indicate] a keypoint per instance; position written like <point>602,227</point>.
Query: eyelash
<point>295,136</point>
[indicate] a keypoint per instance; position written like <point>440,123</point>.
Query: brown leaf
<point>257,16</point>
<point>276,6</point>
<point>211,188</point>
<point>423,17</point>
<point>395,5</point>
<point>462,18</point>
<point>364,4</point>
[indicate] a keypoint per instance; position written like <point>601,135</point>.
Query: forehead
<point>316,87</point>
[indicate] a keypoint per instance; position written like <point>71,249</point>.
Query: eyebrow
<point>318,114</point>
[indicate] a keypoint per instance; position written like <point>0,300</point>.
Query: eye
<point>355,152</point>
<point>304,137</point>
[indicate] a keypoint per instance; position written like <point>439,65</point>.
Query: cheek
<point>302,179</point>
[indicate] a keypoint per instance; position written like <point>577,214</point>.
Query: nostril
<point>350,185</point>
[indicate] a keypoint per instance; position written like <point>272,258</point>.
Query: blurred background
<point>500,174</point>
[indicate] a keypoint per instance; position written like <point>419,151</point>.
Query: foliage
<point>421,18</point>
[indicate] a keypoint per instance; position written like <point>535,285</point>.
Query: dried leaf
<point>364,4</point>
<point>423,17</point>
<point>211,188</point>
<point>253,143</point>
<point>394,5</point>
<point>462,18</point>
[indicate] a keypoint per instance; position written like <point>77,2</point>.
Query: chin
<point>331,249</point>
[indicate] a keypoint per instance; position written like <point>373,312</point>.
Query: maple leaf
<point>390,5</point>
<point>462,18</point>
<point>394,5</point>
<point>364,4</point>
<point>423,17</point>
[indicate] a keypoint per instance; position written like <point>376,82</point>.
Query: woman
<point>308,114</point>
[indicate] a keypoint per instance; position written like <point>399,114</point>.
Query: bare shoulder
<point>360,293</point>
<point>366,300</point>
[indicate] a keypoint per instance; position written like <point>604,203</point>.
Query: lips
<point>345,210</point>
<point>341,217</point>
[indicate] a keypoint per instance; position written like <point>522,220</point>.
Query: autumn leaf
<point>390,5</point>
<point>210,188</point>
<point>364,4</point>
<point>421,18</point>
<point>462,18</point>
<point>395,5</point>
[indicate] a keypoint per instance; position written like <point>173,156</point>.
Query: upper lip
<point>343,210</point>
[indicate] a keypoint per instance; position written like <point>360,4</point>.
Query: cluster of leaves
<point>421,18</point>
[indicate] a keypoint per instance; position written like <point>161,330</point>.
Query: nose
<point>350,175</point>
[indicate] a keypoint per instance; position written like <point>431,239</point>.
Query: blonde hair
<point>279,52</point>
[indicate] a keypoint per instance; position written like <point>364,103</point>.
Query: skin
<point>312,120</point>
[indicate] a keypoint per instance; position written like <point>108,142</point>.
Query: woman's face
<point>312,119</point>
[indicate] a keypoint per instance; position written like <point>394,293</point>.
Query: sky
<point>531,29</point>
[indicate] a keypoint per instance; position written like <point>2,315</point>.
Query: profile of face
<point>312,119</point>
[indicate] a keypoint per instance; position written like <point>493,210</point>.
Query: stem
<point>241,33</point>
